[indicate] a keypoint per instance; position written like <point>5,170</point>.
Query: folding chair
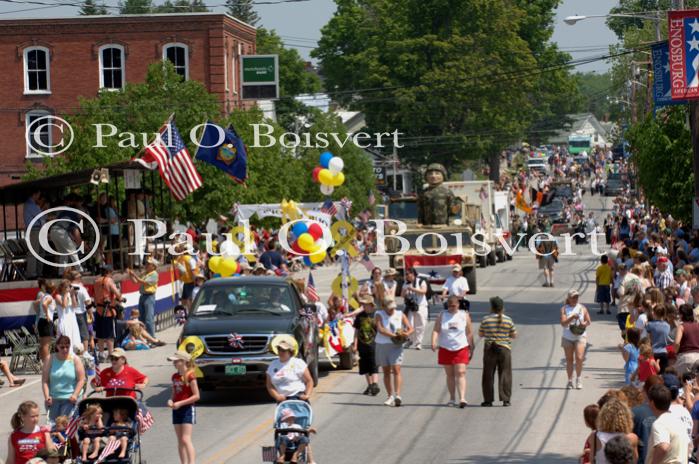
<point>24,355</point>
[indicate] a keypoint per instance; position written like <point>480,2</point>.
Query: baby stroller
<point>108,405</point>
<point>292,428</point>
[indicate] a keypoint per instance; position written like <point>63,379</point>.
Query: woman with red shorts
<point>453,336</point>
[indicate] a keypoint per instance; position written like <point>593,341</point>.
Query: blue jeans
<point>60,407</point>
<point>146,306</point>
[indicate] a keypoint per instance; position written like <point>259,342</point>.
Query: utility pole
<point>395,168</point>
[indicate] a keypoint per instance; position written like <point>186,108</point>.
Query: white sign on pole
<point>132,179</point>
<point>695,214</point>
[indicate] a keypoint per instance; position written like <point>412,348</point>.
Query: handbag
<point>577,329</point>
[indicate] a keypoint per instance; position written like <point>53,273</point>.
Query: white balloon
<point>336,164</point>
<point>321,243</point>
<point>228,249</point>
<point>326,189</point>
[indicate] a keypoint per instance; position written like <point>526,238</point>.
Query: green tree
<point>598,93</point>
<point>458,78</point>
<point>662,153</point>
<point>135,7</point>
<point>91,8</point>
<point>243,10</point>
<point>294,78</point>
<point>181,6</point>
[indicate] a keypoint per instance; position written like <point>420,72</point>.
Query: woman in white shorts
<point>575,319</point>
<point>392,331</point>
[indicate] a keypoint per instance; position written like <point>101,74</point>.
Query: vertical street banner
<point>683,38</point>
<point>662,91</point>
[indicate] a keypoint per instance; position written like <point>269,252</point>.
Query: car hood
<point>243,324</point>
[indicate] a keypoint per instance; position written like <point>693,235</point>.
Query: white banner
<point>310,210</point>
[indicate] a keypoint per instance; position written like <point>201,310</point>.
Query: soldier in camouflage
<point>437,202</point>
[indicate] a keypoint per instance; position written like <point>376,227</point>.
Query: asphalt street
<point>543,425</point>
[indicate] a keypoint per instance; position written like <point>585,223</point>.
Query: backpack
<point>429,293</point>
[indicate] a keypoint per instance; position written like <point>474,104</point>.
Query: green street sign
<point>260,76</point>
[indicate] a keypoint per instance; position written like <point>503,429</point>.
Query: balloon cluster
<point>309,242</point>
<point>225,266</point>
<point>329,174</point>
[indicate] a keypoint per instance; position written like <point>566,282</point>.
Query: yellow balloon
<point>306,242</point>
<point>214,264</point>
<point>228,267</point>
<point>318,257</point>
<point>325,177</point>
<point>337,179</point>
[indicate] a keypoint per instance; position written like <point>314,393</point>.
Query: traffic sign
<point>259,77</point>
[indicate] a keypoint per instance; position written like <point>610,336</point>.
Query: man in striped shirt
<point>497,331</point>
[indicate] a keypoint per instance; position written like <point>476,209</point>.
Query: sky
<point>299,23</point>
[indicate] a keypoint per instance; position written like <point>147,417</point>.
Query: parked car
<point>236,318</point>
<point>554,211</point>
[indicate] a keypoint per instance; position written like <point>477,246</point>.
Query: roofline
<point>93,17</point>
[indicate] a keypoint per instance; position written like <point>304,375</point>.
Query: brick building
<point>48,63</point>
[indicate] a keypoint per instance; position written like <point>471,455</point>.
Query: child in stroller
<point>292,429</point>
<point>121,425</point>
<point>92,425</point>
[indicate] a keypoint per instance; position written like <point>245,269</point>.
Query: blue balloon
<point>325,158</point>
<point>298,229</point>
<point>307,261</point>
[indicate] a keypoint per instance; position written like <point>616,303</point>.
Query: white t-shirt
<point>83,297</point>
<point>391,323</point>
<point>287,377</point>
<point>420,299</point>
<point>669,429</point>
<point>452,332</point>
<point>456,286</point>
<point>641,324</point>
<point>682,414</point>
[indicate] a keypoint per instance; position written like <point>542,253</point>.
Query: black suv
<point>236,318</point>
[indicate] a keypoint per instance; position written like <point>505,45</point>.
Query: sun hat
<point>286,414</point>
<point>180,355</point>
<point>391,304</point>
<point>390,272</point>
<point>366,299</point>
<point>285,342</point>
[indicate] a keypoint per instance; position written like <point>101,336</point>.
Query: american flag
<point>73,425</point>
<point>144,418</point>
<point>367,263</point>
<point>372,198</point>
<point>329,208</point>
<point>112,446</point>
<point>235,341</point>
<point>97,380</point>
<point>169,154</point>
<point>311,291</point>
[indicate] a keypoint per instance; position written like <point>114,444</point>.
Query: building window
<point>112,67</point>
<point>36,70</point>
<point>37,134</point>
<point>233,79</point>
<point>178,55</point>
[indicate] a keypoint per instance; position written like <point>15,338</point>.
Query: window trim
<point>28,153</point>
<point>186,55</point>
<point>25,52</point>
<point>101,66</point>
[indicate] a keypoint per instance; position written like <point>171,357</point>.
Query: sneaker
<point>368,390</point>
<point>397,401</point>
<point>578,384</point>
<point>418,347</point>
<point>506,403</point>
<point>463,404</point>
<point>545,285</point>
<point>451,404</point>
<point>375,390</point>
<point>600,312</point>
<point>570,385</point>
<point>486,404</point>
<point>390,401</point>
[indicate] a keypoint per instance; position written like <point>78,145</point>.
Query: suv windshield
<point>403,210</point>
<point>231,300</point>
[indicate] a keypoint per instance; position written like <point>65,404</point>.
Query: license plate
<point>236,369</point>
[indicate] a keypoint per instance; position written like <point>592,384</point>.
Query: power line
<point>184,7</point>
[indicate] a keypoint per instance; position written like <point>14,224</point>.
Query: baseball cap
<point>673,383</point>
<point>180,355</point>
<point>456,268</point>
<point>662,259</point>
<point>118,353</point>
<point>573,293</point>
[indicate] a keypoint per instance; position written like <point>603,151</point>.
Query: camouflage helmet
<point>437,167</point>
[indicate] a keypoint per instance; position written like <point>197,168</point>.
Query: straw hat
<point>180,356</point>
<point>366,299</point>
<point>285,342</point>
<point>390,272</point>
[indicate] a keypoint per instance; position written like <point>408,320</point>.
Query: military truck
<point>436,268</point>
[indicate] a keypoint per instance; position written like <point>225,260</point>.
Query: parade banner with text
<point>662,90</point>
<point>683,33</point>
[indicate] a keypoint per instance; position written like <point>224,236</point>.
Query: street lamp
<point>572,20</point>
